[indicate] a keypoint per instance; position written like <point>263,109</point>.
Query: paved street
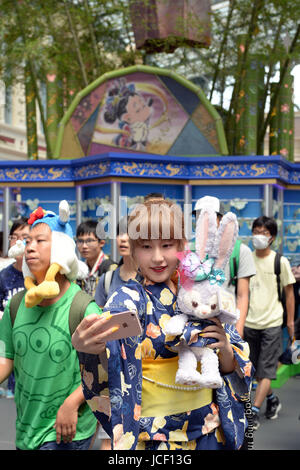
<point>280,434</point>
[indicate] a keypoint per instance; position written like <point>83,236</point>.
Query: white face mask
<point>260,242</point>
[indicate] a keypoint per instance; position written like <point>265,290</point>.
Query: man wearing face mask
<point>263,327</point>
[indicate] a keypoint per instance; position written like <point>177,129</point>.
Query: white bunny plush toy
<point>201,297</point>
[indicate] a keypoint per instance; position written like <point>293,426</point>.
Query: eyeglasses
<point>14,238</point>
<point>87,241</point>
<point>264,232</point>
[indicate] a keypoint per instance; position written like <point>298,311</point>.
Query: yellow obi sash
<point>161,396</point>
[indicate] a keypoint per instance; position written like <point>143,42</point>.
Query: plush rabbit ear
<point>206,229</point>
<point>225,240</point>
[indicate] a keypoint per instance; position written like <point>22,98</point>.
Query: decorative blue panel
<point>188,99</point>
<point>86,132</point>
<point>291,225</point>
<point>149,166</point>
<point>192,139</point>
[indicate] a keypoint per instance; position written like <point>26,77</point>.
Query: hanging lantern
<point>164,25</point>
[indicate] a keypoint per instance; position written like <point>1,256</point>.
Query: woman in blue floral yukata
<point>130,384</point>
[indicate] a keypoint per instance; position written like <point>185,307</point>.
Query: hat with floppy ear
<point>63,248</point>
<point>57,223</point>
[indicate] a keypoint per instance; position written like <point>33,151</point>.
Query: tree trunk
<point>54,105</point>
<point>31,128</point>
<point>230,122</point>
<point>222,47</point>
<point>76,43</point>
<point>31,71</point>
<point>95,48</point>
<point>282,76</point>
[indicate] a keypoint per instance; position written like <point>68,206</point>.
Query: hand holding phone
<point>94,330</point>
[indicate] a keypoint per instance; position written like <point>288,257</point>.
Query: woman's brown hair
<point>156,219</point>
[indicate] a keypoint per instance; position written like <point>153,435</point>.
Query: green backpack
<point>77,310</point>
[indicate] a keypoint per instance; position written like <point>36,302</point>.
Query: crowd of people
<point>72,383</point>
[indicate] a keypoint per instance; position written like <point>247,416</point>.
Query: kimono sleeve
<point>234,395</point>
<point>100,294</point>
<point>114,393</point>
<point>240,380</point>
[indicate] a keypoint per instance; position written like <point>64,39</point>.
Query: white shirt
<point>265,309</point>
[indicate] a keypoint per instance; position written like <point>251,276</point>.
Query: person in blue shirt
<point>109,282</point>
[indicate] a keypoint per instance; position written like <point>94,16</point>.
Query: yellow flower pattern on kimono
<point>166,297</point>
<point>147,349</point>
<point>158,423</point>
<point>179,434</point>
<point>220,435</point>
<point>88,378</point>
<point>100,404</point>
<point>163,321</point>
<point>149,308</point>
<point>126,441</point>
<point>144,436</point>
<point>138,352</point>
<point>102,374</point>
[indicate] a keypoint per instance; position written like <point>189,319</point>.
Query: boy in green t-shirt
<point>48,393</point>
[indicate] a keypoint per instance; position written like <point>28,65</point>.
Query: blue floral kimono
<point>114,392</point>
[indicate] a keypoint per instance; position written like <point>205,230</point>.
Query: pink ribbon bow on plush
<point>192,268</point>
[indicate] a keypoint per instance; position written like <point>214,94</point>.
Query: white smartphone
<point>129,325</point>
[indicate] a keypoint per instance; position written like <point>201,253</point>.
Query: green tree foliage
<point>80,40</point>
<point>270,29</point>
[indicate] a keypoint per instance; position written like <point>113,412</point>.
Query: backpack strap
<point>77,309</point>
<point>15,302</point>
<point>234,263</point>
<point>106,265</point>
<point>277,273</point>
<point>107,280</point>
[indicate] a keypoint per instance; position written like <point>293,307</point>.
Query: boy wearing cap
<point>246,267</point>
<point>48,393</point>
